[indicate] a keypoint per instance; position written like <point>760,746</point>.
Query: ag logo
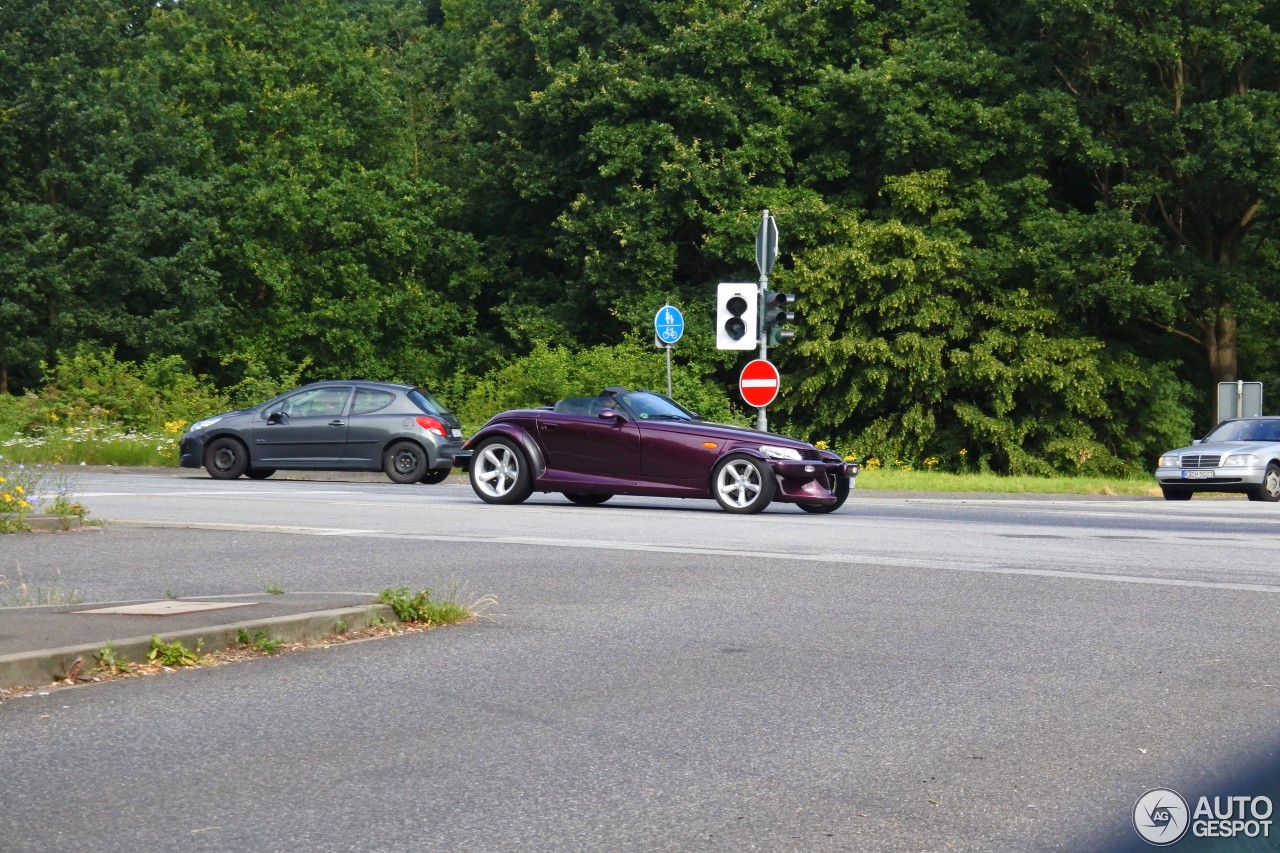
<point>1161,816</point>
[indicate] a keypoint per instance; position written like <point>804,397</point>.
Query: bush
<point>548,374</point>
<point>92,387</point>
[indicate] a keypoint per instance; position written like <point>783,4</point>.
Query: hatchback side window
<point>370,400</point>
<point>317,402</point>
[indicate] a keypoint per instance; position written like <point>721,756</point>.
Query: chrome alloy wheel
<point>738,484</point>
<point>497,470</point>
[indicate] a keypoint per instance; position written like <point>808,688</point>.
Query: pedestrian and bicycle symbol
<point>668,324</point>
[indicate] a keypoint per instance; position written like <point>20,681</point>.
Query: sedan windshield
<point>1246,430</point>
<point>647,405</point>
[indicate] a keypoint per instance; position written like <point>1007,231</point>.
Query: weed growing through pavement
<point>259,640</point>
<point>107,661</point>
<point>420,607</point>
<point>23,593</point>
<point>173,653</point>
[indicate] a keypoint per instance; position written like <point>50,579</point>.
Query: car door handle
<point>549,427</point>
<point>337,422</point>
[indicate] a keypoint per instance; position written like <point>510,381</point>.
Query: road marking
<point>949,565</point>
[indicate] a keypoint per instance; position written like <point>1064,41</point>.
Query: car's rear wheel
<point>404,462</point>
<point>582,499</point>
<point>226,458</point>
<point>500,472</point>
<point>1270,489</point>
<point>1175,493</point>
<point>742,484</point>
<point>841,492</point>
<point>435,475</point>
<point>259,473</point>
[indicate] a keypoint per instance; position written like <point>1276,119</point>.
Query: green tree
<point>333,246</point>
<point>103,238</point>
<point>1175,109</point>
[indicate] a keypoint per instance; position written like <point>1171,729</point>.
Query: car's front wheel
<point>1270,488</point>
<point>742,484</point>
<point>582,499</point>
<point>500,473</point>
<point>1175,493</point>
<point>404,462</point>
<point>226,458</point>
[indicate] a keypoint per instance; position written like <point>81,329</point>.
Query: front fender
<point>537,462</point>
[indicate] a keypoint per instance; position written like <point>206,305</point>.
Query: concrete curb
<point>30,669</point>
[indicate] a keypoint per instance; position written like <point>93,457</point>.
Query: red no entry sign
<point>759,383</point>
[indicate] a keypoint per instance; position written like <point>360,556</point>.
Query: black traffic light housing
<point>777,312</point>
<point>736,316</point>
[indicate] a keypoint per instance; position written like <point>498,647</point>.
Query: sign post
<point>668,325</point>
<point>766,254</point>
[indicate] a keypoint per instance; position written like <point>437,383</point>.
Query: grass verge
<point>938,481</point>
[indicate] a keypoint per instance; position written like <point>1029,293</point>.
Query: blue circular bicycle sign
<point>668,323</point>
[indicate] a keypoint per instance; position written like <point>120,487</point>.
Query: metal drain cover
<point>168,607</point>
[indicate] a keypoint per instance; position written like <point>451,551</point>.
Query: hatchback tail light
<point>431,425</point>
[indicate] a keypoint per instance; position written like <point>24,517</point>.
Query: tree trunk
<point>1220,347</point>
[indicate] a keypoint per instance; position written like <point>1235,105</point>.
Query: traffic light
<point>777,311</point>
<point>736,316</point>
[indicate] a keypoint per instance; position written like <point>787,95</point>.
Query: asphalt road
<point>905,674</point>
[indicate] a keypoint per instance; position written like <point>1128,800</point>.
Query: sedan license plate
<point>1197,475</point>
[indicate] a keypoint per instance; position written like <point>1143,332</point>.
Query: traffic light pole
<point>762,419</point>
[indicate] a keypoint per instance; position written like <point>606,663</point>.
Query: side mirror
<point>275,417</point>
<point>608,414</point>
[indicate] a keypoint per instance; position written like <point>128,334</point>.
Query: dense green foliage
<point>1035,232</point>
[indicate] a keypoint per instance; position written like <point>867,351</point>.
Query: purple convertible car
<point>641,443</point>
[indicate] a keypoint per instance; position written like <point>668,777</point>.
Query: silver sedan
<point>1240,455</point>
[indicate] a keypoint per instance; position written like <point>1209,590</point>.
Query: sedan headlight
<point>1169,460</point>
<point>204,424</point>
<point>775,452</point>
<point>1240,459</point>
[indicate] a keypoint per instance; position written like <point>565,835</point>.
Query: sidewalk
<point>39,645</point>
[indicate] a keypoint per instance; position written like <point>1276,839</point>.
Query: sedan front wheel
<point>1270,488</point>
<point>742,484</point>
<point>499,473</point>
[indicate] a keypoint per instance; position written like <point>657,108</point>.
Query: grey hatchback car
<point>1238,455</point>
<point>330,426</point>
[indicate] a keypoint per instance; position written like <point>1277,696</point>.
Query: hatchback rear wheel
<point>742,484</point>
<point>404,462</point>
<point>500,473</point>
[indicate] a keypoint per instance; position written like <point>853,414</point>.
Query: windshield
<point>1246,430</point>
<point>646,405</point>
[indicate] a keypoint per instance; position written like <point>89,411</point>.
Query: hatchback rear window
<point>423,400</point>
